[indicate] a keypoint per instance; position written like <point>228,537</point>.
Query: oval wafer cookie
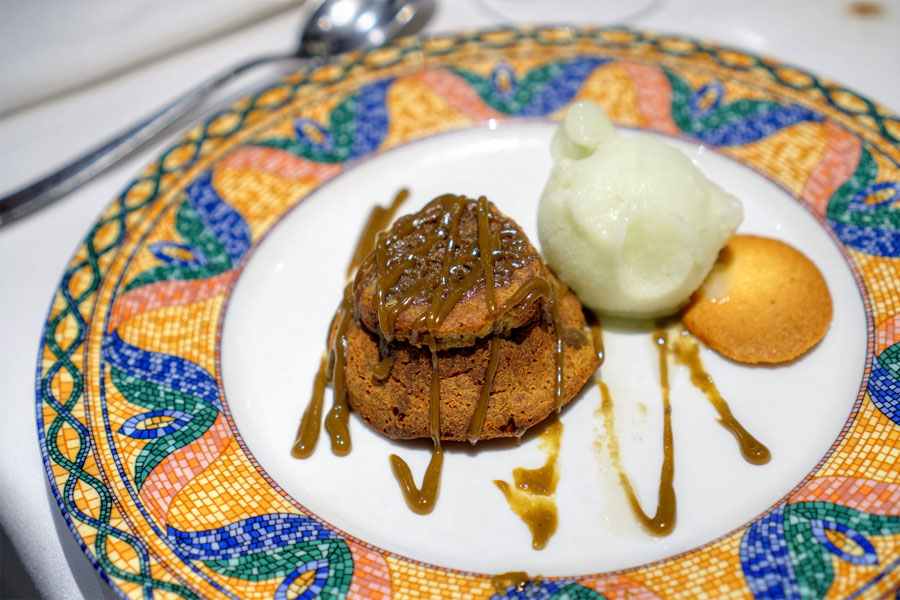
<point>763,302</point>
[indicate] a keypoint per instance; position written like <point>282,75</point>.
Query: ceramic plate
<point>182,342</point>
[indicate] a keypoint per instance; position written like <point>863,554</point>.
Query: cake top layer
<point>449,271</point>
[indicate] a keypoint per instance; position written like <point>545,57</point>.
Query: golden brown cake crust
<point>764,302</point>
<point>522,394</point>
<point>517,261</point>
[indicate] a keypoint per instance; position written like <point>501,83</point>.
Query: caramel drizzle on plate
<point>331,367</point>
<point>518,580</point>
<point>331,370</point>
<point>378,220</point>
<point>663,521</point>
<point>531,498</point>
<point>308,434</point>
<point>596,334</point>
<point>686,352</point>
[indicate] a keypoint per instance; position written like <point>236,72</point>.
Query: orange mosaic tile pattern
<point>141,452</point>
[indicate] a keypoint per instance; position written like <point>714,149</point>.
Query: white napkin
<point>53,46</point>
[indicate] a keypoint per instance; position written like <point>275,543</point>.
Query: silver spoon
<point>335,26</point>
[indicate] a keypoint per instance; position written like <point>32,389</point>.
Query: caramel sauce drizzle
<point>531,496</point>
<point>308,434</point>
<point>421,501</point>
<point>596,333</point>
<point>534,289</point>
<point>477,422</point>
<point>517,579</point>
<point>687,353</point>
<point>382,368</point>
<point>378,220</point>
<point>487,245</point>
<point>542,481</point>
<point>663,522</point>
<point>332,369</point>
<point>337,418</point>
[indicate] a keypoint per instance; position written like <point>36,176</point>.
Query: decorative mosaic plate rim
<point>125,479</point>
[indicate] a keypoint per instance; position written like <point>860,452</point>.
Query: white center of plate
<point>274,334</point>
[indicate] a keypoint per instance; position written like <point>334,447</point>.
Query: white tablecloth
<point>54,47</point>
<point>827,37</point>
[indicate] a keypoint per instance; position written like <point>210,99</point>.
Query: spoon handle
<point>96,161</point>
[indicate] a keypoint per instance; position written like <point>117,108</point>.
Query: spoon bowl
<point>339,26</point>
